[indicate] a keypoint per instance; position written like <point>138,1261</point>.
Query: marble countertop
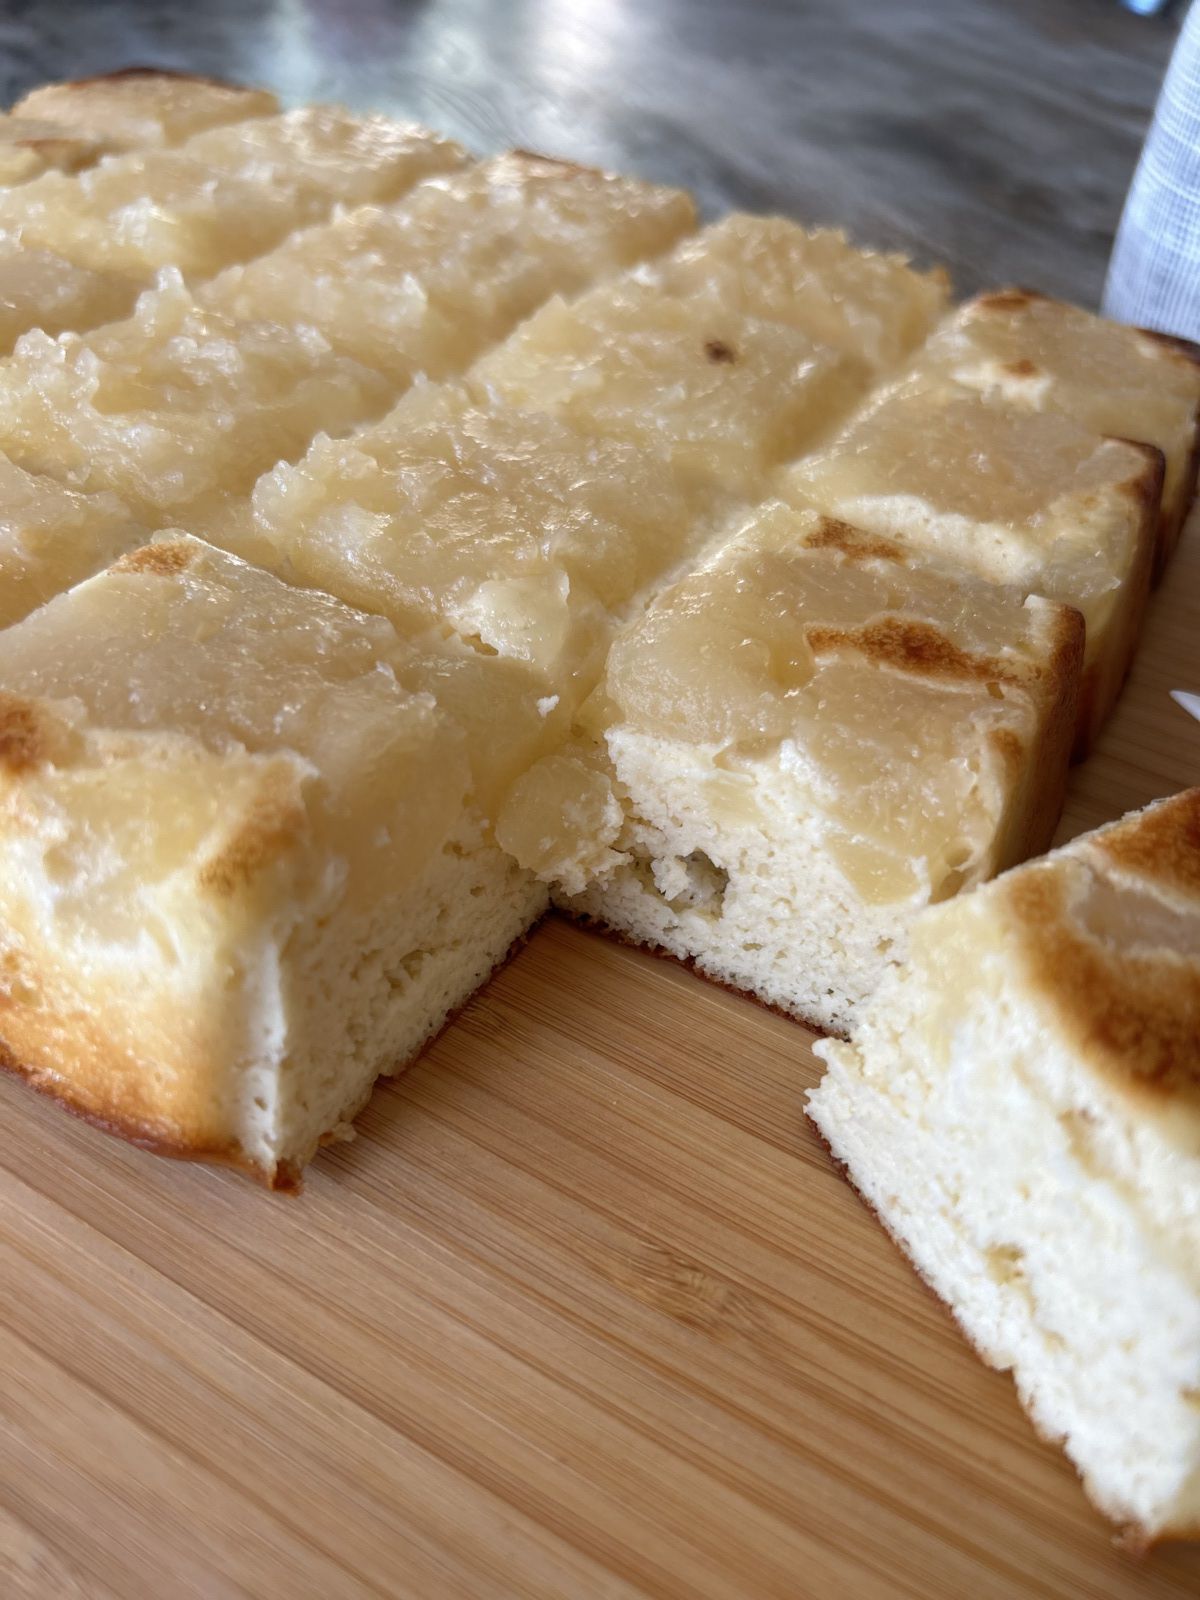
<point>996,135</point>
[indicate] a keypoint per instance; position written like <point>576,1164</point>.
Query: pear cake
<point>180,407</point>
<point>1036,502</point>
<point>1044,355</point>
<point>240,872</point>
<point>1020,1104</point>
<point>800,745</point>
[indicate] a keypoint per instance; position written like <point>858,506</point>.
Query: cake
<point>799,746</point>
<point>426,285</point>
<point>178,408</point>
<point>1046,356</point>
<point>1020,1103</point>
<point>1036,502</point>
<point>240,875</point>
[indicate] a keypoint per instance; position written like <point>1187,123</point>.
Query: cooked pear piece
<point>799,746</point>
<point>1047,356</point>
<point>240,873</point>
<point>426,285</point>
<point>1035,502</point>
<point>1020,1103</point>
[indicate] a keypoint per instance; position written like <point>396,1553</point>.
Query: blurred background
<point>996,135</point>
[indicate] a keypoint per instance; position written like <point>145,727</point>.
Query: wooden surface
<point>585,1311</point>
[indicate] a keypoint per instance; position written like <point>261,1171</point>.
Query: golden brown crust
<point>164,559</point>
<point>23,742</point>
<point>1161,843</point>
<point>1131,1012</point>
<point>173,73</point>
<point>918,648</point>
<point>831,533</point>
<point>272,824</point>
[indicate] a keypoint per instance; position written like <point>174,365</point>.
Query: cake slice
<point>177,410</point>
<point>524,536</point>
<point>1033,501</point>
<point>143,106</point>
<point>147,209</point>
<point>1046,356</point>
<point>872,305</point>
<point>426,285</point>
<point>1021,1105</point>
<point>240,873</point>
<point>721,391</point>
<point>798,747</point>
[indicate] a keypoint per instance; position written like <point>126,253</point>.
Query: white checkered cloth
<point>1154,274</point>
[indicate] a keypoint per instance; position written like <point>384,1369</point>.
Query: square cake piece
<point>798,747</point>
<point>1020,1103</point>
<point>1033,501</point>
<point>1044,355</point>
<point>177,409</point>
<point>872,305</point>
<point>240,873</point>
<point>426,284</point>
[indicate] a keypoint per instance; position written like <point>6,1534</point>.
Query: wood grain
<point>585,1311</point>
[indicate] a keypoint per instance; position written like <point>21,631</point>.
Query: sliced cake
<point>137,212</point>
<point>1033,501</point>
<point>798,747</point>
<point>240,875</point>
<point>177,409</point>
<point>426,285</point>
<point>1046,356</point>
<point>1020,1104</point>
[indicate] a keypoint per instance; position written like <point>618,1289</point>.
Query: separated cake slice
<point>1021,1105</point>
<point>143,106</point>
<point>177,410</point>
<point>426,285</point>
<point>873,306</point>
<point>798,747</point>
<point>1046,356</point>
<point>147,209</point>
<point>1033,501</point>
<point>240,875</point>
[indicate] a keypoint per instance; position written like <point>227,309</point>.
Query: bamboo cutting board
<point>584,1312</point>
